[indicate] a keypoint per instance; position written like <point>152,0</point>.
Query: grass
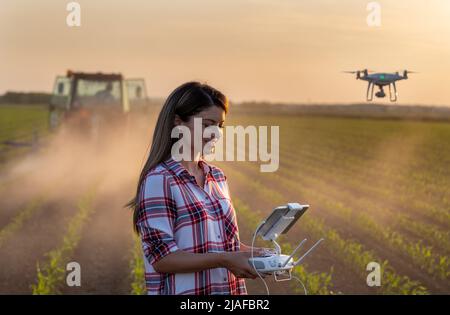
<point>23,124</point>
<point>21,121</point>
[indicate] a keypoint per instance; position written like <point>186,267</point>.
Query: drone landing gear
<point>381,93</point>
<point>369,94</point>
<point>393,92</point>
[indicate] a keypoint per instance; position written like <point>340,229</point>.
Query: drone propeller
<point>406,72</point>
<point>360,71</point>
<point>355,71</point>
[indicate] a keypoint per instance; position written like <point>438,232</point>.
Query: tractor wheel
<point>54,120</point>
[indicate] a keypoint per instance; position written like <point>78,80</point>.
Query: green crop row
<point>360,138</point>
<point>51,274</point>
<point>24,214</point>
<point>348,251</point>
<point>328,182</point>
<point>420,255</point>
<point>315,282</point>
<point>314,138</point>
<point>339,176</point>
<point>358,174</point>
<point>370,167</point>
<point>18,221</point>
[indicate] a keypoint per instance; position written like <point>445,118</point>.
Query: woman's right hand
<point>238,263</point>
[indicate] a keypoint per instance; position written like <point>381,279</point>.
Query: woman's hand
<point>238,263</point>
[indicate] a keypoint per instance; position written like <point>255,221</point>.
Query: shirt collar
<point>180,170</point>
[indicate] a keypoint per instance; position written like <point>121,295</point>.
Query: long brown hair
<point>185,101</point>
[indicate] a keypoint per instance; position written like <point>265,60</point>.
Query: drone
<point>381,79</point>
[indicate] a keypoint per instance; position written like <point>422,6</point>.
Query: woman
<point>182,209</point>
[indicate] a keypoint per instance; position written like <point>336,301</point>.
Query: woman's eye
<point>220,126</point>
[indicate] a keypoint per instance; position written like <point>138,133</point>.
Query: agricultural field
<point>379,191</point>
<point>21,126</point>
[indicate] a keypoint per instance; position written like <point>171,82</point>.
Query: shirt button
<point>218,236</point>
<point>225,279</point>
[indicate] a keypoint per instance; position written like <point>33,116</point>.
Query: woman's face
<point>213,116</point>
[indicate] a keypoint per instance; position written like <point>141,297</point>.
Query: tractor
<point>88,102</point>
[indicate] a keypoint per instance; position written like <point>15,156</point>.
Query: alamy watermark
<point>374,17</point>
<point>235,148</point>
<point>374,277</point>
<point>73,19</point>
<point>73,278</point>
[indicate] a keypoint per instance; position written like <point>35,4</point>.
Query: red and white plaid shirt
<point>176,213</point>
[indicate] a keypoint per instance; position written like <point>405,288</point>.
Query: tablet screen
<point>281,220</point>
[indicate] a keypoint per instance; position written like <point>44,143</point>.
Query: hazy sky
<point>276,50</point>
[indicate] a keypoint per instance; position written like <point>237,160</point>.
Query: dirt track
<point>60,173</point>
<point>104,251</point>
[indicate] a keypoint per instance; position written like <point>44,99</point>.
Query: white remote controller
<point>279,222</point>
<point>272,263</point>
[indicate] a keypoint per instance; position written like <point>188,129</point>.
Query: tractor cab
<point>84,97</point>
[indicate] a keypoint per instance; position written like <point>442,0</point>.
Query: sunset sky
<point>273,50</point>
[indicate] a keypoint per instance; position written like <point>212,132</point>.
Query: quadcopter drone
<point>380,80</point>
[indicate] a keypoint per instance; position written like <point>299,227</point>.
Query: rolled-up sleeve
<point>157,212</point>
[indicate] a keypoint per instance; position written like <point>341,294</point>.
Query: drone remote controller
<point>272,263</point>
<point>279,222</point>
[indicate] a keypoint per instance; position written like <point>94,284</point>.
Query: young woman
<point>182,209</point>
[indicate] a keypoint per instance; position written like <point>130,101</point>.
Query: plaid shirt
<point>176,213</point>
